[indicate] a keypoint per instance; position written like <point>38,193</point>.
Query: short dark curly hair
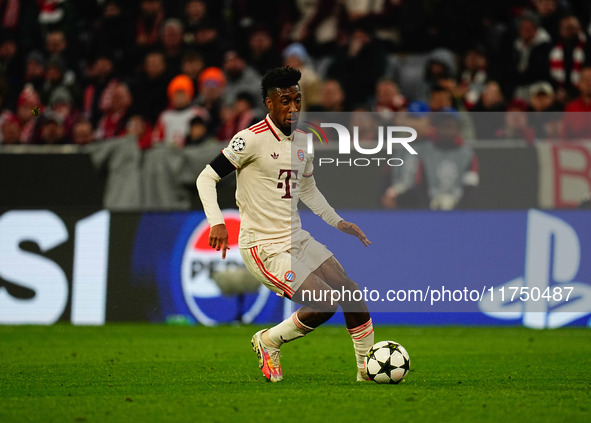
<point>279,78</point>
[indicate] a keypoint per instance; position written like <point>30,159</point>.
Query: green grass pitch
<point>157,373</point>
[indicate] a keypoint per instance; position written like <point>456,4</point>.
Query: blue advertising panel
<point>171,251</point>
<point>478,268</point>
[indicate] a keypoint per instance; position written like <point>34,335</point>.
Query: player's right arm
<point>206,187</point>
<point>231,158</point>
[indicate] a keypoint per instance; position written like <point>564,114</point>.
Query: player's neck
<point>283,130</point>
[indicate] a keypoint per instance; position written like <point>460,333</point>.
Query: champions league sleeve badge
<point>238,144</point>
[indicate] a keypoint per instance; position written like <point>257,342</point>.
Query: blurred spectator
<point>141,129</point>
<point>195,13</point>
<point>149,88</point>
<point>516,123</point>
<point>11,11</point>
<point>545,114</point>
<point>61,104</point>
<point>51,130</point>
<point>113,33</point>
<point>101,80</point>
<point>440,64</point>
<point>57,77</point>
<point>172,127</point>
<point>440,99</point>
<point>317,25</point>
<point>27,100</point>
<point>359,65</point>
<point>56,46</point>
<point>473,76</point>
<point>208,43</point>
<point>239,116</point>
<point>198,132</point>
<point>492,101</point>
<point>576,123</point>
<point>444,167</point>
<point>262,55</point>
<point>34,71</point>
<point>457,103</point>
<point>148,23</point>
<point>568,56</point>
<point>418,116</point>
<point>82,132</point>
<point>388,99</point>
<point>9,130</point>
<point>191,65</point>
<point>10,60</point>
<point>296,56</point>
<point>116,112</point>
<point>55,43</point>
<point>212,86</point>
<point>240,77</point>
<point>172,44</point>
<point>530,48</point>
<point>332,97</point>
<point>550,13</point>
<point>382,15</point>
<point>10,67</point>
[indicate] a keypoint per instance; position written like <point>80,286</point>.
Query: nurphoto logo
<point>377,148</point>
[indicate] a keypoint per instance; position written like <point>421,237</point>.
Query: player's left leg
<point>357,318</point>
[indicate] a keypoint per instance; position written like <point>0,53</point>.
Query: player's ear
<point>269,103</point>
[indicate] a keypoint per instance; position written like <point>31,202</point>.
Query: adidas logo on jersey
<point>275,156</point>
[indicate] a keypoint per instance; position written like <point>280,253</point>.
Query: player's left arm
<point>313,198</point>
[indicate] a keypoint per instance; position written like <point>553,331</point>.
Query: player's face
<point>284,105</point>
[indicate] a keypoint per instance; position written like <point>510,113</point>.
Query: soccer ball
<point>387,362</point>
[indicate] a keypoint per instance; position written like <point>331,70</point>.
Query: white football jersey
<point>269,169</point>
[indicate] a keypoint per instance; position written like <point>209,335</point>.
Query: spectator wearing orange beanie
<point>173,124</point>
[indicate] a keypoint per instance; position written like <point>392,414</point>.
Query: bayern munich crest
<point>290,276</point>
<point>301,155</point>
<point>238,144</point>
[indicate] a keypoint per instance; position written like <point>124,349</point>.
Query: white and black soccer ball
<point>387,362</point>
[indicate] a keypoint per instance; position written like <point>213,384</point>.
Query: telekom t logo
<point>286,184</point>
<point>390,139</point>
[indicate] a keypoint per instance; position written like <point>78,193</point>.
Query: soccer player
<point>273,172</point>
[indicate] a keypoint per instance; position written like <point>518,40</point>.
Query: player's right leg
<point>287,277</point>
<point>267,342</point>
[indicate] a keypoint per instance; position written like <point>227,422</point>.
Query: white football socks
<point>288,330</point>
<point>363,339</point>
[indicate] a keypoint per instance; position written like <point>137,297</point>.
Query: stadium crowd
<point>182,71</point>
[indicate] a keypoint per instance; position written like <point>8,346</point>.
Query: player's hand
<point>353,229</point>
<point>218,238</point>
